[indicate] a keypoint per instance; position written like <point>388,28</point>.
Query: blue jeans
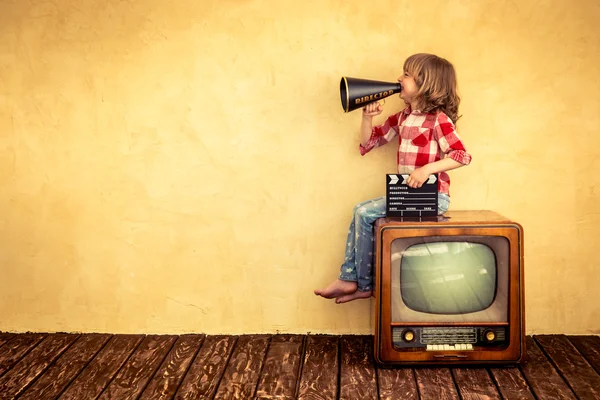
<point>358,260</point>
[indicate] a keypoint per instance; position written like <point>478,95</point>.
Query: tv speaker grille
<point>448,335</point>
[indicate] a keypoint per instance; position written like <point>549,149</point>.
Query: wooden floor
<point>68,366</point>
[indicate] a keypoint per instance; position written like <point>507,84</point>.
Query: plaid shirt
<point>422,139</point>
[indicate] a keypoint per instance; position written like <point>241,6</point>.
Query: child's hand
<point>372,109</point>
<point>418,177</point>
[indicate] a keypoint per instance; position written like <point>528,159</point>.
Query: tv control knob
<point>409,336</point>
<point>490,336</point>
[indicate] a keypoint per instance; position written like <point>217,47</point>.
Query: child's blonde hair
<point>436,79</point>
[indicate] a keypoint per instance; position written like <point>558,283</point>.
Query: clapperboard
<point>404,201</point>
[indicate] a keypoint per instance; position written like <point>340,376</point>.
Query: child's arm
<point>420,175</point>
<point>371,137</point>
<point>366,126</point>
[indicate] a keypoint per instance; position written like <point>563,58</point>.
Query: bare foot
<point>353,296</point>
<point>336,289</point>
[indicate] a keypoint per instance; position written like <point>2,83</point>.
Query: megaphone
<point>356,93</point>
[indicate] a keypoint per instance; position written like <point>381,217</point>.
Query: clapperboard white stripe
<point>394,179</point>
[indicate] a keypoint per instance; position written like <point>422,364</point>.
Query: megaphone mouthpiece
<point>356,93</point>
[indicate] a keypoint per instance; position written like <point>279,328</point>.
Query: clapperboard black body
<point>404,201</point>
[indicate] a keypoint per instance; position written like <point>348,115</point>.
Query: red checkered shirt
<point>422,139</point>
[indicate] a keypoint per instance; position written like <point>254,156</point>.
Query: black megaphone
<point>356,93</point>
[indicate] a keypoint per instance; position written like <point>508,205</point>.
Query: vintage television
<point>449,290</point>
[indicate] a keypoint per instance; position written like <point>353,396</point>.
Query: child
<point>428,144</point>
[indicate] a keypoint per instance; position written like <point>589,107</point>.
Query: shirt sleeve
<point>382,134</point>
<point>449,141</point>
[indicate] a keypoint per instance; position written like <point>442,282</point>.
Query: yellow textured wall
<point>186,166</point>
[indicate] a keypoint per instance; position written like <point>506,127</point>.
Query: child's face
<point>409,87</point>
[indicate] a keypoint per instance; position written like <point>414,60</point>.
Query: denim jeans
<point>358,260</point>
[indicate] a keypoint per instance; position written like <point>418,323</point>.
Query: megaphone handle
<point>378,101</point>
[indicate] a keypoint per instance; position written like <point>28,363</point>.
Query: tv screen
<point>448,277</point>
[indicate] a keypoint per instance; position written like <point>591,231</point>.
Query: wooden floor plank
<point>243,370</point>
<point>544,381</point>
<point>5,337</point>
<point>589,347</point>
<point>357,370</point>
<point>436,384</point>
<point>475,383</point>
<point>170,374</point>
<point>139,369</point>
<point>580,375</point>
<point>101,370</point>
<point>319,380</point>
<point>281,368</point>
<point>66,368</point>
<point>511,383</point>
<point>34,363</point>
<point>205,373</point>
<point>397,383</point>
<point>16,348</point>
